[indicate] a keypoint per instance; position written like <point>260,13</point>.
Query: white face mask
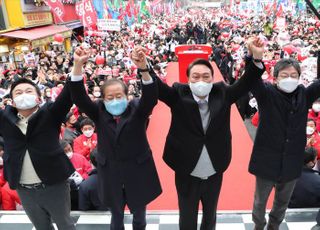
<point>88,133</point>
<point>96,94</point>
<point>201,88</point>
<point>288,85</point>
<point>1,161</point>
<point>25,101</point>
<point>316,107</point>
<point>310,130</point>
<point>69,154</point>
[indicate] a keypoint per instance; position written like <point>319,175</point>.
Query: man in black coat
<point>306,192</point>
<point>126,171</point>
<point>198,145</point>
<point>88,189</point>
<point>34,163</point>
<point>278,151</point>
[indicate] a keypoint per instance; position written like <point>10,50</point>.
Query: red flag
<point>129,7</point>
<point>156,2</point>
<point>268,8</point>
<point>86,13</point>
<point>274,7</point>
<point>280,11</point>
<point>56,7</point>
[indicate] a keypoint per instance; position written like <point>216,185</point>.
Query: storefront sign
<point>47,40</point>
<point>109,24</point>
<point>37,19</point>
<point>86,13</point>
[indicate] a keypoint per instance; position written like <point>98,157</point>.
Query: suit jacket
<point>41,140</point>
<point>124,155</point>
<point>306,192</point>
<point>280,141</point>
<point>186,136</point>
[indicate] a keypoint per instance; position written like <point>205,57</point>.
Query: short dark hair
<point>68,116</point>
<point>310,119</point>
<point>199,61</point>
<point>86,121</point>
<point>310,154</point>
<point>24,81</point>
<point>285,63</point>
<point>114,81</point>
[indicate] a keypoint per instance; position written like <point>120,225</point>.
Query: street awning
<point>36,33</point>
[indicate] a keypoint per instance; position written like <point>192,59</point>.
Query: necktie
<point>204,112</point>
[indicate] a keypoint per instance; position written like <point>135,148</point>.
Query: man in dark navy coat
<point>278,151</point>
<point>34,163</point>
<point>306,192</point>
<point>126,171</point>
<point>198,145</point>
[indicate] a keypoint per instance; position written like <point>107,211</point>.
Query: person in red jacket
<point>313,138</point>
<point>86,143</point>
<point>314,113</point>
<point>79,162</point>
<point>83,168</point>
<point>9,198</point>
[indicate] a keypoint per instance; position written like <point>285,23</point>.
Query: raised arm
<point>165,93</point>
<point>77,89</point>
<point>253,72</point>
<point>62,104</point>
<point>149,96</point>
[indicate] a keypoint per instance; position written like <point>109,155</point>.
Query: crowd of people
<point>110,58</point>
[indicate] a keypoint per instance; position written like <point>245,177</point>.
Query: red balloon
<point>99,60</point>
<point>289,49</point>
<point>311,28</point>
<point>58,38</point>
<point>225,34</point>
<point>98,41</point>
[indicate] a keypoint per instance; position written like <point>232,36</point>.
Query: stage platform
<point>236,220</point>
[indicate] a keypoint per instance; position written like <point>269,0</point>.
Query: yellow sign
<point>37,19</point>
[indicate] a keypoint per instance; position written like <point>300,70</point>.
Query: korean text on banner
<point>57,8</point>
<point>86,13</point>
<point>109,24</point>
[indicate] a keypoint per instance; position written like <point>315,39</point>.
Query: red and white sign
<point>57,7</point>
<point>86,13</point>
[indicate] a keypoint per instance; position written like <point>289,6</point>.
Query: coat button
<point>287,140</point>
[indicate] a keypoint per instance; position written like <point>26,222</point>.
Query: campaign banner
<point>86,13</point>
<point>109,24</point>
<point>56,7</point>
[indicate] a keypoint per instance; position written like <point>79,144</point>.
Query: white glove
<point>77,178</point>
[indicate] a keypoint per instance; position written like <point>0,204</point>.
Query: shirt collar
<point>21,117</point>
<point>197,99</point>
